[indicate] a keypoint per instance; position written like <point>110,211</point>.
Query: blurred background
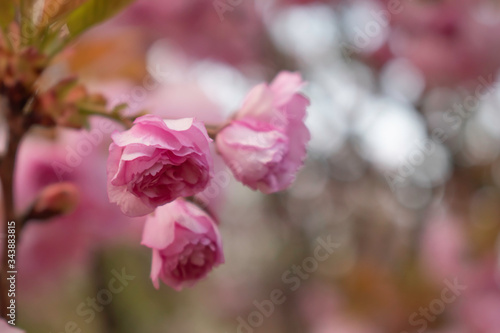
<point>403,172</point>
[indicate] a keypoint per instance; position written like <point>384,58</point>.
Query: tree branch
<point>16,130</point>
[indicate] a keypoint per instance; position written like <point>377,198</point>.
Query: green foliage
<point>50,26</point>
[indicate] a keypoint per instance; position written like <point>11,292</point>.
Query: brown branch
<point>16,130</point>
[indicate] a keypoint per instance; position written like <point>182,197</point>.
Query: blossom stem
<point>212,130</point>
<point>203,206</point>
<point>116,116</point>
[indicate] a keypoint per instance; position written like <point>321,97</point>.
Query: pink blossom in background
<point>7,328</point>
<point>184,99</point>
<point>443,247</point>
<point>157,161</point>
<point>265,144</point>
<point>480,312</point>
<point>319,302</point>
<point>48,250</point>
<point>186,244</point>
<point>236,36</point>
<point>479,305</point>
<point>449,41</point>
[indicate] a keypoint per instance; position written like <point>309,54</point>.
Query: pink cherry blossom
<point>449,41</point>
<point>157,161</point>
<point>186,244</point>
<point>480,312</point>
<point>443,246</point>
<point>47,249</point>
<point>235,36</point>
<point>265,145</point>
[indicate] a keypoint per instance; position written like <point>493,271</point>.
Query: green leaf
<point>7,12</point>
<point>30,25</point>
<point>93,12</point>
<point>41,19</point>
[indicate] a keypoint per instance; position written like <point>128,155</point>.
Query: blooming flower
<point>157,161</point>
<point>265,144</point>
<point>186,244</point>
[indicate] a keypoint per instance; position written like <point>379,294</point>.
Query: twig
<point>16,130</point>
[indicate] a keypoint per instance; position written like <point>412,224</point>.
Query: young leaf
<point>93,12</point>
<point>55,10</point>
<point>32,16</point>
<point>41,20</point>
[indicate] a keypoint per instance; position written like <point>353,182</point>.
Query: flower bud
<point>186,244</point>
<point>56,199</point>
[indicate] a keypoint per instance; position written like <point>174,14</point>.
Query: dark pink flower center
<point>164,182</point>
<point>196,260</point>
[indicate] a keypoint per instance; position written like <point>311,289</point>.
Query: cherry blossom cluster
<point>158,166</point>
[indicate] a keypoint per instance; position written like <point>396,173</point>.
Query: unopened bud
<point>56,199</point>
